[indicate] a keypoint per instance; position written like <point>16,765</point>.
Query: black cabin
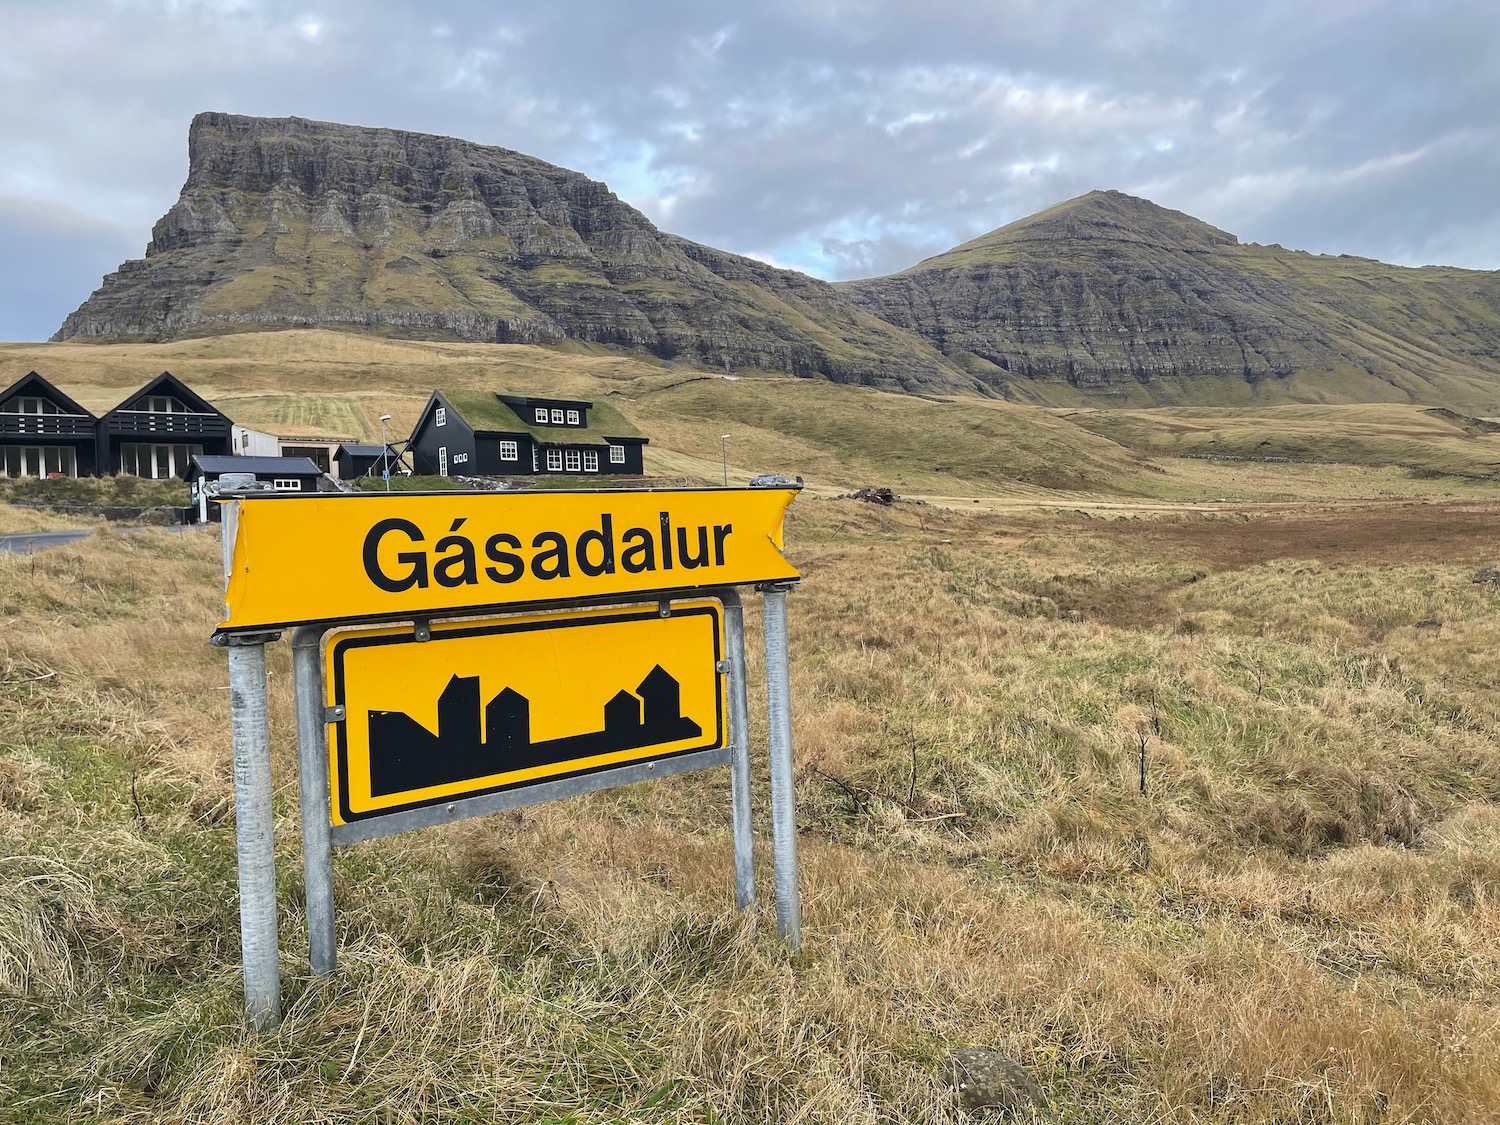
<point>366,460</point>
<point>158,430</point>
<point>44,433</point>
<point>486,434</point>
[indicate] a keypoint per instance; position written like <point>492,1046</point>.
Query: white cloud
<point>838,136</point>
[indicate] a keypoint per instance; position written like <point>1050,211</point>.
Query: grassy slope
<point>836,437</point>
<point>1362,434</point>
<point>1294,923</point>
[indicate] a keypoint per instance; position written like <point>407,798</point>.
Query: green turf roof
<point>483,410</point>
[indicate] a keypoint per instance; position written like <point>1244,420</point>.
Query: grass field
<point>836,437</point>
<point>1175,780</point>
<point>1294,922</point>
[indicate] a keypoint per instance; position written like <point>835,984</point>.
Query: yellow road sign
<point>499,703</point>
<point>386,556</point>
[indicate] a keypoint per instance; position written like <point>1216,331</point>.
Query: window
<point>557,417</point>
<point>541,414</point>
<point>157,462</point>
<point>572,417</point>
<point>442,416</point>
<point>617,455</point>
<point>442,460</point>
<point>554,460</point>
<point>509,451</point>
<point>317,454</point>
<point>591,460</point>
<point>38,461</point>
<point>534,467</point>
<point>575,462</point>
<point>286,484</point>
<point>29,406</point>
<point>158,404</point>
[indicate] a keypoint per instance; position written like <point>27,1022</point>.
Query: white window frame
<point>554,460</point>
<point>557,417</point>
<point>286,484</point>
<point>31,460</point>
<point>441,416</point>
<point>591,460</point>
<point>572,417</point>
<point>510,451</point>
<point>541,415</point>
<point>574,460</point>
<point>442,460</point>
<point>617,455</point>
<point>29,404</point>
<point>133,454</point>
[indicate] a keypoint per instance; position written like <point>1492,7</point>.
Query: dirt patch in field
<point>1464,532</point>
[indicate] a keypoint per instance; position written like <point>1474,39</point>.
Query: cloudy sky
<point>845,138</point>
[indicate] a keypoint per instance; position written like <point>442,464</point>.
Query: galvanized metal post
<point>312,774</point>
<point>253,829</point>
<point>783,791</point>
<point>739,764</point>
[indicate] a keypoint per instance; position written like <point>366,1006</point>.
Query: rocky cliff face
<point>293,223</point>
<point>1107,294</point>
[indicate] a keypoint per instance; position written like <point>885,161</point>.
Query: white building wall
<point>245,442</point>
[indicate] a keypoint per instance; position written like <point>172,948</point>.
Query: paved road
<point>41,540</point>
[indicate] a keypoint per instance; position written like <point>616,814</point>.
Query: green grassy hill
<point>1411,436</point>
<point>837,437</point>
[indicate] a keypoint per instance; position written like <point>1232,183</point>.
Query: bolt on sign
<point>492,705</point>
<point>457,654</point>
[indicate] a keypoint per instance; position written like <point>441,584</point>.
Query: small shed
<point>283,474</point>
<point>366,460</point>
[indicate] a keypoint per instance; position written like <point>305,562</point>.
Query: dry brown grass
<point>1295,922</point>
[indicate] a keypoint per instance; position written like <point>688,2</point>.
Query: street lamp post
<point>724,455</point>
<point>385,453</point>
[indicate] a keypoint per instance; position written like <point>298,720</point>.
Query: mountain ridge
<point>1105,298</point>
<point>1138,296</point>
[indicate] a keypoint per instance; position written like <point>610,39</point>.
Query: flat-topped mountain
<point>1105,298</point>
<point>292,223</point>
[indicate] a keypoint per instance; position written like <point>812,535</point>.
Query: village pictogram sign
<point>500,703</point>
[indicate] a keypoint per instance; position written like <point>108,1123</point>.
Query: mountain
<point>292,223</point>
<point>1111,297</point>
<point>1104,299</point>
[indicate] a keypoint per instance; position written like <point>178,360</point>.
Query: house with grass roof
<point>481,433</point>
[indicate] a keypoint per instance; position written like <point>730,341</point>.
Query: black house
<point>43,432</point>
<point>366,460</point>
<point>158,430</point>
<point>464,432</point>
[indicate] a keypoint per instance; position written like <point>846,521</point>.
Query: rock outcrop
<point>293,223</point>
